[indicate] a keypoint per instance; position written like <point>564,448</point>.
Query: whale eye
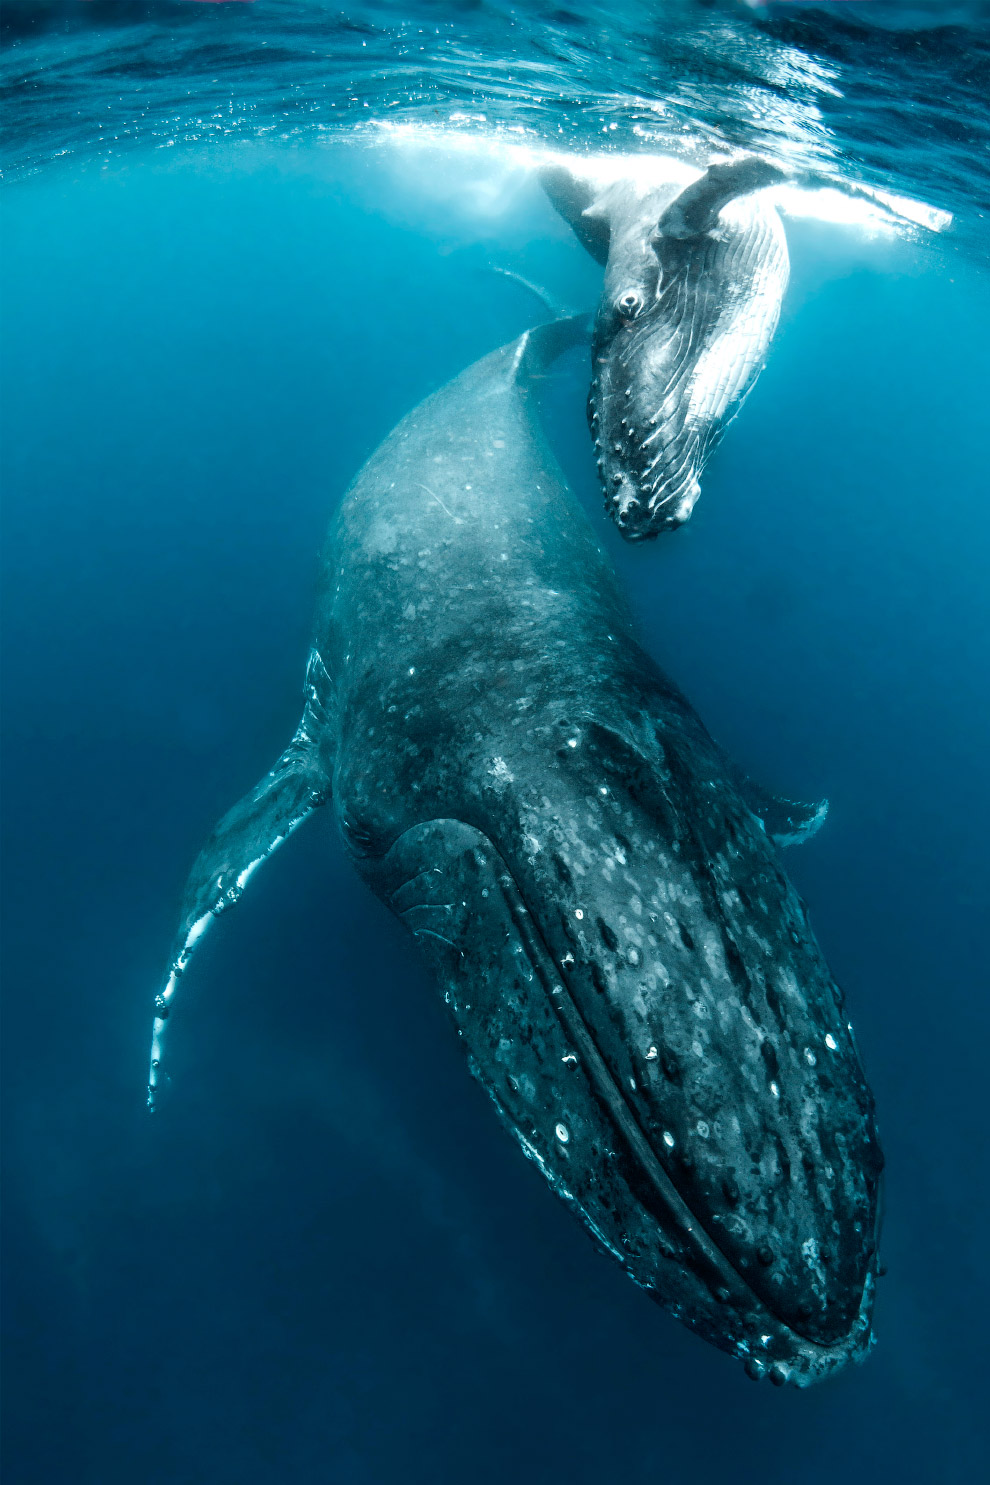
<point>360,839</point>
<point>629,304</point>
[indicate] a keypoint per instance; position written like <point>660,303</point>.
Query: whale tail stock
<point>242,840</point>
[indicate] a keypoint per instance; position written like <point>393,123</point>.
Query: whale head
<point>638,989</point>
<point>649,441</point>
<point>693,283</point>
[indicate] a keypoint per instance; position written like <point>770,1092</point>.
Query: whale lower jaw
<point>530,1047</point>
<point>642,504</point>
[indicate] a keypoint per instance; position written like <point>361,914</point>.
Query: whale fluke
<point>245,837</point>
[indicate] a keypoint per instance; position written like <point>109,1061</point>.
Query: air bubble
<point>562,1133</point>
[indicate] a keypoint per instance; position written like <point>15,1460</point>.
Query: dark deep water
<point>324,1260</point>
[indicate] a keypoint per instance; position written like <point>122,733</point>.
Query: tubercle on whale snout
<point>531,1047</point>
<point>648,487</point>
<point>641,522</point>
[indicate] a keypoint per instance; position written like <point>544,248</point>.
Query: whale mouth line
<point>688,1225</point>
<point>700,1251</point>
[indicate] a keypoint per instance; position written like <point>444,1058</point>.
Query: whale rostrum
<point>694,277</point>
<point>596,886</point>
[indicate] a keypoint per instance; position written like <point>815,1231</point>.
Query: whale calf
<point>596,886</point>
<point>694,277</point>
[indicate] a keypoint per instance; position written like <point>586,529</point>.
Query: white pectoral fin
<point>696,209</point>
<point>242,840</point>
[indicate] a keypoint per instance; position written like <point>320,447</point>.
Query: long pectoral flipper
<point>244,838</point>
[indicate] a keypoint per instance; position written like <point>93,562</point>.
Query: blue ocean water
<point>324,1260</point>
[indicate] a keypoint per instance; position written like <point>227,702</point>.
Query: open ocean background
<point>235,252</point>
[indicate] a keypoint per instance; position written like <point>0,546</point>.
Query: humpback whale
<point>595,884</point>
<point>694,278</point>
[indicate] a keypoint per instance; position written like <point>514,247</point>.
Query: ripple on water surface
<point>898,105</point>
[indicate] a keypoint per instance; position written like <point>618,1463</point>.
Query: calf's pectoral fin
<point>241,841</point>
<point>695,211</point>
<point>573,198</point>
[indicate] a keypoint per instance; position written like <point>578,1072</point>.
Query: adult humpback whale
<point>595,884</point>
<point>694,277</point>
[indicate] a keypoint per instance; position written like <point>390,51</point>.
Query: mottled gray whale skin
<point>694,278</point>
<point>594,883</point>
